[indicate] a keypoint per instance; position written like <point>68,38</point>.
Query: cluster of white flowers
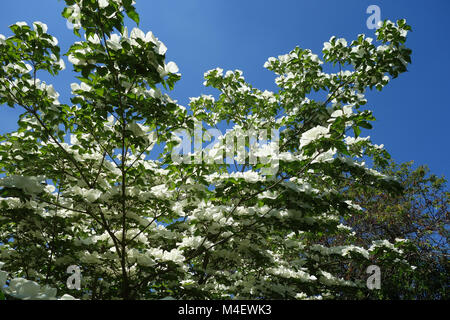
<point>194,242</point>
<point>24,289</point>
<point>137,33</point>
<point>353,205</point>
<point>24,85</point>
<point>203,97</point>
<point>313,134</point>
<point>18,68</point>
<point>30,185</point>
<point>386,244</point>
<point>82,86</point>
<point>168,68</point>
<point>219,72</point>
<point>115,42</point>
<point>333,42</point>
<point>91,195</point>
<point>248,176</point>
<point>137,129</point>
<point>78,61</point>
<point>285,272</point>
<point>2,40</point>
<point>346,111</point>
<point>351,140</point>
<point>173,255</point>
<point>340,250</point>
<point>75,15</point>
<point>328,279</point>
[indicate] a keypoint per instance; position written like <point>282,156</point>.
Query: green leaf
<point>133,15</point>
<point>365,124</point>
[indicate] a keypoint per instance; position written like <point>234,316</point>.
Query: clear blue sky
<point>412,111</point>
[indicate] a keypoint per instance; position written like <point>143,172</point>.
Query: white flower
<point>2,39</point>
<point>313,134</point>
<point>337,113</point>
<point>103,3</point>
<point>352,205</point>
<point>95,39</point>
<point>75,16</point>
<point>229,73</point>
<point>52,92</point>
<point>22,288</point>
<point>285,58</point>
<point>350,140</point>
<point>62,64</point>
<point>73,60</point>
<point>326,46</point>
<point>171,67</point>
<point>315,58</point>
<point>92,195</point>
<point>114,42</point>
<point>161,191</point>
<point>137,33</point>
<point>301,296</point>
<point>174,255</point>
<point>137,128</point>
<point>85,87</point>
<point>54,41</point>
<point>21,24</point>
<point>74,86</point>
<point>27,68</point>
<point>157,94</point>
<point>191,242</point>
<point>248,176</point>
<point>76,61</point>
<point>161,49</point>
<point>218,70</point>
<point>40,24</point>
<point>269,62</point>
<point>251,176</point>
<point>30,185</point>
<point>341,41</point>
<point>50,188</point>
<point>348,110</point>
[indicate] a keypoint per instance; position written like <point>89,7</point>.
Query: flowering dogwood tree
<point>82,184</point>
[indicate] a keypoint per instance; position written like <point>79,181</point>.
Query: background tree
<point>419,214</point>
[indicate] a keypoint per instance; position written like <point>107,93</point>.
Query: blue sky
<point>412,111</point>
